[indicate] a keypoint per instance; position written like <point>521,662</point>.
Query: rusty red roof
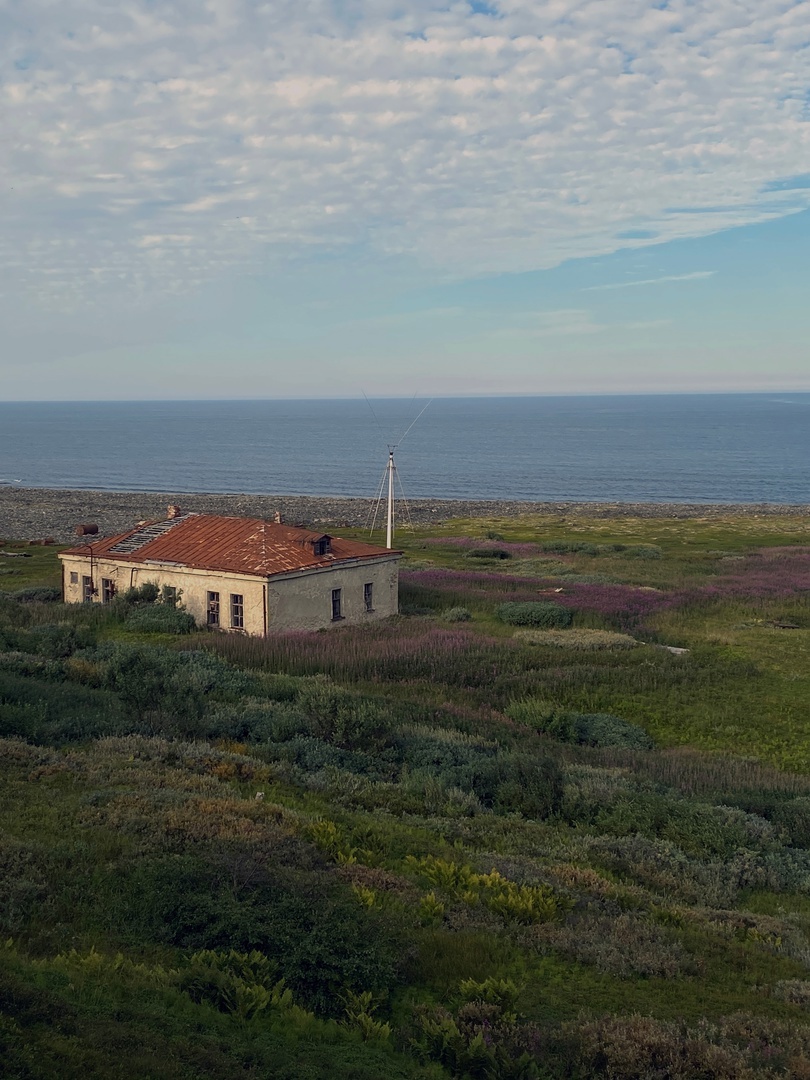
<point>241,545</point>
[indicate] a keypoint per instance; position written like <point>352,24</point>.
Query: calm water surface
<point>690,448</point>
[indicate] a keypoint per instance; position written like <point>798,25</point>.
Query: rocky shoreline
<point>35,513</point>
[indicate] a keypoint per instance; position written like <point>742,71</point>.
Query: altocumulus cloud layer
<point>155,146</point>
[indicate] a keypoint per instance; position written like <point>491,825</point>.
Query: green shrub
<point>569,547</point>
<point>534,613</point>
<point>340,717</point>
<point>489,553</point>
<point>623,945</point>
<point>456,614</point>
<point>602,729</point>
<point>644,551</point>
<point>51,712</point>
<point>297,916</point>
<point>531,786</point>
<point>640,1047</point>
<point>58,641</point>
<point>141,594</point>
<point>38,594</point>
<point>160,619</point>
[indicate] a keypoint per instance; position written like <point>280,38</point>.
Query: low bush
<point>147,593</point>
<point>623,945</point>
<point>796,991</point>
<point>639,1048</point>
<point>569,547</point>
<point>50,711</point>
<point>38,594</point>
<point>457,614</point>
<point>534,613</point>
<point>602,729</point>
<point>489,553</point>
<point>160,619</point>
<point>644,551</point>
<point>584,729</point>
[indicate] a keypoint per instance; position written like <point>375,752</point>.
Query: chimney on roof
<point>174,511</point>
<point>279,520</point>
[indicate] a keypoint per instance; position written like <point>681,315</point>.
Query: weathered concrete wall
<point>304,601</point>
<point>301,601</point>
<point>192,586</point>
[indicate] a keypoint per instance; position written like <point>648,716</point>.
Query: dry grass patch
<point>579,638</point>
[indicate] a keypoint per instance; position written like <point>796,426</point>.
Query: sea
<point>695,448</point>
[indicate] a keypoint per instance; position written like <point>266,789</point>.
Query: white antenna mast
<point>390,470</point>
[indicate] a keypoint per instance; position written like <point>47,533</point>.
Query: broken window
<point>74,577</point>
<point>237,611</point>
<point>368,595</point>
<point>336,604</point>
<point>87,590</point>
<point>212,609</point>
<point>322,546</point>
<point>107,589</point>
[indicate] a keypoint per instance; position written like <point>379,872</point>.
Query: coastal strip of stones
<point>34,513</point>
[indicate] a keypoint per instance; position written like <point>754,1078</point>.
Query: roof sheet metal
<point>242,545</point>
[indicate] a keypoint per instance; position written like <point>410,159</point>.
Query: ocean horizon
<point>695,448</point>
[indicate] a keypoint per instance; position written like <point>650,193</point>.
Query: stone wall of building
<point>298,601</point>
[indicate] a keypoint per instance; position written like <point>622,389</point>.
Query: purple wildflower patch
<point>623,606</point>
<point>519,550</point>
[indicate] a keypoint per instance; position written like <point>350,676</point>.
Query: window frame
<point>237,607</point>
<point>107,590</point>
<point>213,609</point>
<point>337,605</point>
<point>87,589</point>
<point>368,595</point>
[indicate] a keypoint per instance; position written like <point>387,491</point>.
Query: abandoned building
<point>243,575</point>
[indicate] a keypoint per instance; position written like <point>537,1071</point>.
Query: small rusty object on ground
<point>87,530</point>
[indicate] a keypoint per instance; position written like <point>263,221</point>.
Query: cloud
<point>696,275</point>
<point>472,138</point>
<point>528,326</point>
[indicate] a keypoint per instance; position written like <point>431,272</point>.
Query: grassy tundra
<point>552,822</point>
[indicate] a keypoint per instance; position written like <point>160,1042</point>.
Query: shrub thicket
<point>541,613</point>
<point>160,619</point>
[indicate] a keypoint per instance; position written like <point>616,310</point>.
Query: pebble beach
<point>37,513</point>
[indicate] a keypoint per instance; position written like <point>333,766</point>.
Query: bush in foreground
<point>160,619</point>
<point>540,613</point>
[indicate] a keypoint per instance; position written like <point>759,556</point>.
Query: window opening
<point>87,590</point>
<point>74,577</point>
<point>368,595</point>
<point>336,605</point>
<point>212,608</point>
<point>322,546</point>
<point>107,589</point>
<point>237,611</point>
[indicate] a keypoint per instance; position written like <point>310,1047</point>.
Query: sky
<point>315,198</point>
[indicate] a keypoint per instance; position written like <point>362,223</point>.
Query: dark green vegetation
<point>510,834</point>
